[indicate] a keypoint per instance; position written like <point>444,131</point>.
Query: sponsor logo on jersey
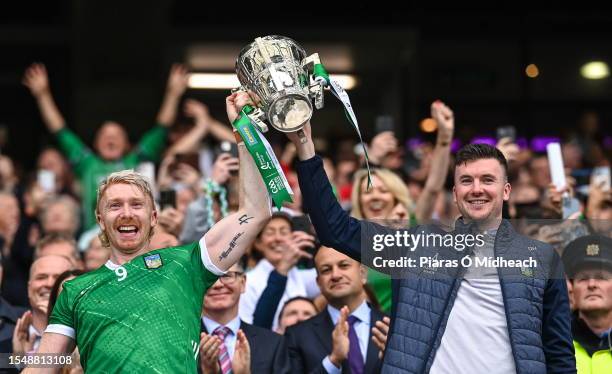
<point>153,261</point>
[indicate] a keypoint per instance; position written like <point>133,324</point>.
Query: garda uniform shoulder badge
<point>153,261</point>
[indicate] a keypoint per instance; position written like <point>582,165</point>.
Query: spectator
<point>52,160</point>
<point>9,220</point>
<point>59,245</point>
<point>281,249</point>
<point>96,254</point>
<point>355,346</point>
<point>389,199</point>
<point>161,239</point>
<point>8,319</point>
<point>295,310</point>
<point>525,201</point>
<point>202,213</point>
<point>599,208</point>
<point>60,215</point>
<point>8,178</point>
<point>222,328</point>
<point>32,324</point>
<point>111,140</point>
<point>16,250</point>
<point>384,151</point>
<point>204,124</point>
<point>183,180</point>
<point>540,171</point>
<point>588,264</point>
<point>186,220</point>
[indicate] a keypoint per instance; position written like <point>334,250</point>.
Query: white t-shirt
<point>476,339</point>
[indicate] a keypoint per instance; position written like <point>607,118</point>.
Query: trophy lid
<point>285,39</point>
<point>245,67</point>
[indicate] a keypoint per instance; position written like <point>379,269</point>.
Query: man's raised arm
<point>229,238</point>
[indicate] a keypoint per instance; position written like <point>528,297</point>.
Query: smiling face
<point>270,241</point>
<point>339,277</point>
<point>43,274</point>
<point>378,202</point>
<point>480,191</point>
<point>223,296</point>
<point>111,141</point>
<point>127,216</point>
<point>592,290</point>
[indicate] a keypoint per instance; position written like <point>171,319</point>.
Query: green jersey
<point>140,317</point>
<point>91,169</point>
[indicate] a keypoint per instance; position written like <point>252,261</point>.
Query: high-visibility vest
<point>599,363</point>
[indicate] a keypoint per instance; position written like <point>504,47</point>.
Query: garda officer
<point>588,264</point>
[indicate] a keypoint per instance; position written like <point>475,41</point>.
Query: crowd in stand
<point>291,304</point>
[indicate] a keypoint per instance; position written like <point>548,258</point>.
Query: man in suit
<point>9,315</point>
<point>346,337</point>
<point>229,344</point>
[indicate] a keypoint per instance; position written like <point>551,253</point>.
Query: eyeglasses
<point>230,277</point>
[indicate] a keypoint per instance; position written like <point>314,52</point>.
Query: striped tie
<point>224,359</point>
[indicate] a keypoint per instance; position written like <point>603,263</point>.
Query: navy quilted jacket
<point>537,308</point>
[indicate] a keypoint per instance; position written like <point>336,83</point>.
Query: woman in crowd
<point>281,248</point>
<point>389,199</point>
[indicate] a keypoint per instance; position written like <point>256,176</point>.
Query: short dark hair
<point>281,215</point>
<point>296,298</point>
<point>55,290</point>
<point>473,152</point>
<point>55,238</point>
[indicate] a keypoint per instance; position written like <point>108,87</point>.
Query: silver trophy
<point>278,75</point>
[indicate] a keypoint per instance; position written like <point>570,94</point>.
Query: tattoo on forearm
<point>244,219</point>
<point>231,247</point>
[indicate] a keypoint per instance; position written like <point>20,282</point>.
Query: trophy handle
<point>316,88</point>
<point>253,113</point>
<point>309,62</point>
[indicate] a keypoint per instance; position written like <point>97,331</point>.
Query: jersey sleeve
<point>152,144</point>
<point>74,149</point>
<point>61,320</point>
<point>203,265</point>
